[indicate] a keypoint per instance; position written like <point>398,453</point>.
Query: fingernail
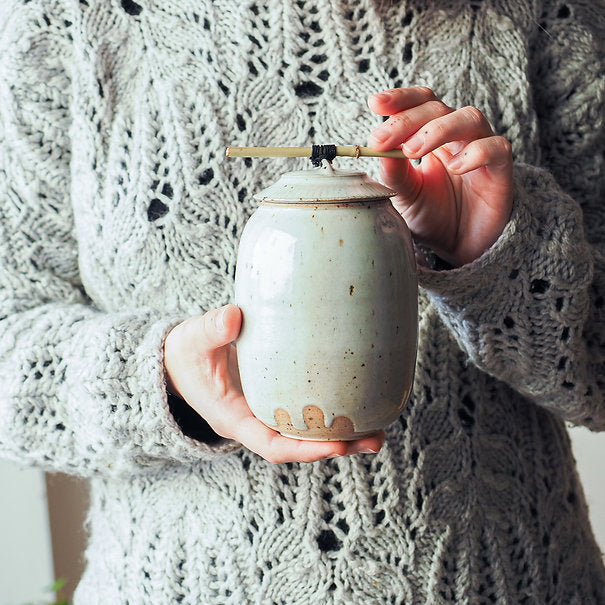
<point>220,319</point>
<point>368,451</point>
<point>380,135</point>
<point>382,97</point>
<point>413,145</point>
<point>335,456</point>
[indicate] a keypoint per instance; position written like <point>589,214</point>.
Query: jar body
<point>328,293</point>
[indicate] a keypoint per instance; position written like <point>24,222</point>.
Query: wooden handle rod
<point>352,151</point>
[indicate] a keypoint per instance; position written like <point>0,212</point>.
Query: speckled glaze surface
<point>328,291</point>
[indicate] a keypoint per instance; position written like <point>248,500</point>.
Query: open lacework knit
<point>120,216</point>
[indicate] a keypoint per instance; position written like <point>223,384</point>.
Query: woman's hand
<point>459,198</point>
<point>201,367</point>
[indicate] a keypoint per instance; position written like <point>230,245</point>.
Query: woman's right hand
<point>201,367</point>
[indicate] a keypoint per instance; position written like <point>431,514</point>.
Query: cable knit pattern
<point>119,216</point>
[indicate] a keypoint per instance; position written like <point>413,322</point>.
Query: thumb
<point>401,176</point>
<point>218,327</point>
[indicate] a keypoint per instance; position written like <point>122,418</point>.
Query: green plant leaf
<point>59,583</point>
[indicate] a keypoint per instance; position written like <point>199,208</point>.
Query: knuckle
<point>503,146</point>
<point>437,129</point>
<point>426,92</point>
<point>481,155</point>
<point>199,327</point>
<point>439,107</point>
<point>476,152</point>
<point>207,322</point>
<point>399,122</point>
<point>473,115</point>
<point>208,330</point>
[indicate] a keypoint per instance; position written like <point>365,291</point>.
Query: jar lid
<point>324,184</point>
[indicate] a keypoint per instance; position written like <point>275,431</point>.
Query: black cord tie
<point>322,152</point>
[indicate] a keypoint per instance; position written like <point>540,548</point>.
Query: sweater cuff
<point>183,434</point>
<point>141,424</point>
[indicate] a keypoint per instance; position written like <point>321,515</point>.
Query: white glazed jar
<point>326,280</point>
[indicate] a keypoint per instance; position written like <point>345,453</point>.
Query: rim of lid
<point>324,184</point>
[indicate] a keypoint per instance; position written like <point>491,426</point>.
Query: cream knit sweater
<point>119,216</point>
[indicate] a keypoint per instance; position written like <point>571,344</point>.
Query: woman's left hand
<point>458,199</point>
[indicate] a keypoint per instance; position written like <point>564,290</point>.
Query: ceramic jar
<point>326,280</point>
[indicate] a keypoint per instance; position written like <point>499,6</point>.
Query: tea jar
<point>326,280</point>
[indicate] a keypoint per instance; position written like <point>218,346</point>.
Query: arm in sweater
<point>82,390</point>
<point>530,311</point>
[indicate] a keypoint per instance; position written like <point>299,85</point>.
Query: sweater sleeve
<point>530,311</point>
<point>82,390</point>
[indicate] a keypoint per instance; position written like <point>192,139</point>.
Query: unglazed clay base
<point>341,429</point>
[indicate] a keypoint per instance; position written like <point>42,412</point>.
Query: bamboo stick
<point>352,151</point>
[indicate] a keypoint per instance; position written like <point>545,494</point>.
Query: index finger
<point>391,101</point>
